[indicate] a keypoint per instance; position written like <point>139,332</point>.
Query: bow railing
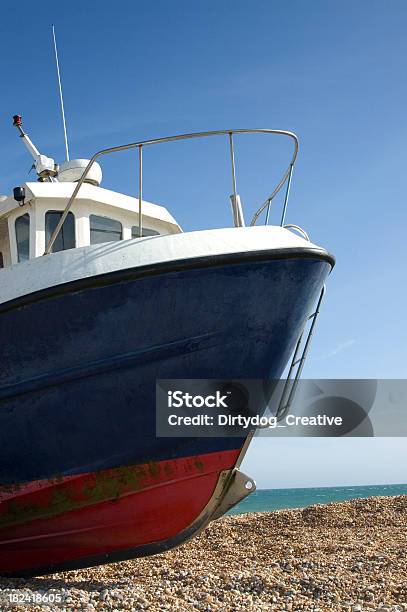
<point>235,199</point>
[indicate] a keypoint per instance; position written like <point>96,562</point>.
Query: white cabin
<point>97,215</point>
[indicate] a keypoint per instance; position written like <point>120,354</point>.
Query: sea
<point>265,500</point>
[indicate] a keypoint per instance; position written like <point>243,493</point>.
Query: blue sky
<point>333,72</point>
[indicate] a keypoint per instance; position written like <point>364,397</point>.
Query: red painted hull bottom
<point>94,518</point>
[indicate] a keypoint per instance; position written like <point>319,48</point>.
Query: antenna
<point>60,94</point>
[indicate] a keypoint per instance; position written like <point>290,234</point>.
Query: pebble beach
<point>347,557</point>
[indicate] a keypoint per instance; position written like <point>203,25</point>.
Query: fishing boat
<point>101,295</point>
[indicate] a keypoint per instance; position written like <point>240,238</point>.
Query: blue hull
<point>80,361</point>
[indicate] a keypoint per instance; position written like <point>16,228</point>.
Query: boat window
<point>66,237</point>
<point>1,261</point>
<point>103,229</point>
<point>135,233</point>
<point>23,237</point>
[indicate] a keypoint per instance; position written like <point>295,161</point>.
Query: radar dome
<point>71,171</point>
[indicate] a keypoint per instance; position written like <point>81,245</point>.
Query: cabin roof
<point>62,191</point>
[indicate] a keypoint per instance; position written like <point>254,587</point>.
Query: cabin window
<point>23,237</point>
<point>103,229</point>
<point>66,237</point>
<point>135,233</point>
<point>1,261</point>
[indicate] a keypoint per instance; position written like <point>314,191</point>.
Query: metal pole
<point>268,213</point>
<point>60,94</point>
<point>287,193</point>
<point>140,189</point>
<point>232,159</point>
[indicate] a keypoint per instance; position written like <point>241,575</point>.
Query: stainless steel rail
<point>297,229</point>
<point>145,143</point>
<point>297,363</point>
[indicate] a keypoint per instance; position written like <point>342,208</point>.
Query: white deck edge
<point>67,266</point>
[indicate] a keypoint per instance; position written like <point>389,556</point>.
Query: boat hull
<point>84,479</point>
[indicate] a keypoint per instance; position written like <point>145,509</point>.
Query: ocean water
<point>264,500</point>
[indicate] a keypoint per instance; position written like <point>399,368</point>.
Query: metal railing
<point>236,209</point>
<point>297,363</point>
<point>297,229</point>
